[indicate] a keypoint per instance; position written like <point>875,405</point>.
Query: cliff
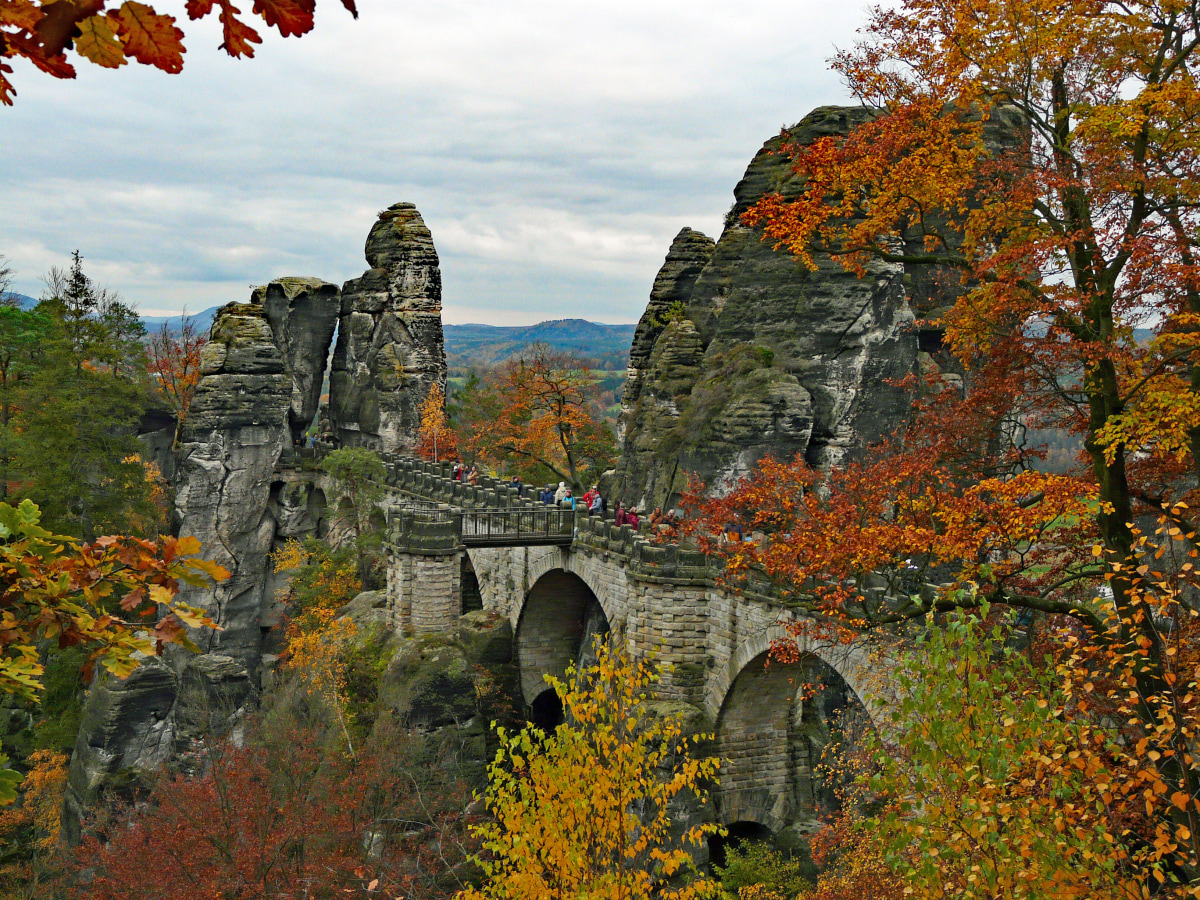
<point>742,352</point>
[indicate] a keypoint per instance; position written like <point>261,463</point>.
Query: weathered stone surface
<point>689,254</point>
<point>389,349</point>
<point>763,356</point>
<point>230,443</point>
<point>126,733</point>
<point>368,611</point>
<point>302,313</point>
<point>428,684</point>
<point>486,637</point>
<point>213,691</point>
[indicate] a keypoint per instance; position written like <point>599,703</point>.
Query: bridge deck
<point>511,527</point>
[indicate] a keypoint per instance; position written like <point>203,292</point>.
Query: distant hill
<point>201,321</point>
<point>488,345</point>
<point>24,301</point>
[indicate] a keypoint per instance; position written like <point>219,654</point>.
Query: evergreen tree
<point>74,449</point>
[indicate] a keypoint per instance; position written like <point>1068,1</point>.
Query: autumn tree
<point>174,365</point>
<point>1053,252</point>
<point>435,438</point>
<point>45,33</point>
<point>539,415</point>
<point>286,813</point>
<point>1058,251</point>
<point>114,596</point>
<point>586,809</point>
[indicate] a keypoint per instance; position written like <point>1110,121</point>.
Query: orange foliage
<point>175,364</point>
<point>435,438</point>
<point>42,799</point>
<point>923,504</point>
<point>44,32</point>
<point>542,411</point>
<point>115,594</point>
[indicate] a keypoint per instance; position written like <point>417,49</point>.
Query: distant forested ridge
<point>487,345</point>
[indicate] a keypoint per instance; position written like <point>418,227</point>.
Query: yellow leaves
<point>585,809</point>
<point>290,557</point>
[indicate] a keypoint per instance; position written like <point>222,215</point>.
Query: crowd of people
<point>593,501</point>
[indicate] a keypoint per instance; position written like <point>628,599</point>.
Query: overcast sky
<point>553,147</point>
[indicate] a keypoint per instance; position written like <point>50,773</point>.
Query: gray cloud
<point>554,149</point>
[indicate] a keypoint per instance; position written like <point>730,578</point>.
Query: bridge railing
<point>518,525</point>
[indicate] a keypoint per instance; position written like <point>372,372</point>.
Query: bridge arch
<point>771,732</point>
<point>559,618</point>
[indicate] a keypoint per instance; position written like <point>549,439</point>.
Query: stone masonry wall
<point>664,601</point>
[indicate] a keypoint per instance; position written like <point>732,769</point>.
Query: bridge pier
<point>424,573</point>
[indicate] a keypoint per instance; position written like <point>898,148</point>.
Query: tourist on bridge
<point>631,519</point>
<point>547,495</point>
<point>561,492</point>
<point>596,504</point>
<point>473,476</point>
<point>621,516</point>
<point>568,500</point>
<point>592,494</point>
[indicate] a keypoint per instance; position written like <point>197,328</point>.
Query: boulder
<point>428,684</point>
<point>389,349</point>
<point>126,734</point>
<point>486,638</point>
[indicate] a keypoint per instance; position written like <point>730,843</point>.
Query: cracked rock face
<point>236,429</point>
<point>302,313</point>
<point>238,425</point>
<point>389,348</point>
<point>761,356</point>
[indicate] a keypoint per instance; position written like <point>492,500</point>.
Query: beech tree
<point>584,811</point>
<point>44,33</point>
<point>540,415</point>
<point>435,438</point>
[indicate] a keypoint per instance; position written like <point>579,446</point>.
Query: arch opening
<point>558,627</point>
<point>472,597</point>
<point>774,726</point>
<point>740,833</point>
<point>546,711</point>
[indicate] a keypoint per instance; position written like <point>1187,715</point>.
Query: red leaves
<point>291,17</point>
<point>287,813</point>
<point>149,38</point>
<point>238,35</point>
<point>45,34</point>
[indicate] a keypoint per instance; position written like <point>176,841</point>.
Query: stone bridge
<point>558,589</point>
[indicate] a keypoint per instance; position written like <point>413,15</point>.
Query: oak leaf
<point>238,35</point>
<point>291,17</point>
<point>150,38</point>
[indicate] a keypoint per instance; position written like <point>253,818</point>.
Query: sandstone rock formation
<point>689,254</point>
<point>229,446</point>
<point>389,349</point>
<point>236,429</point>
<point>303,313</point>
<point>742,352</point>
